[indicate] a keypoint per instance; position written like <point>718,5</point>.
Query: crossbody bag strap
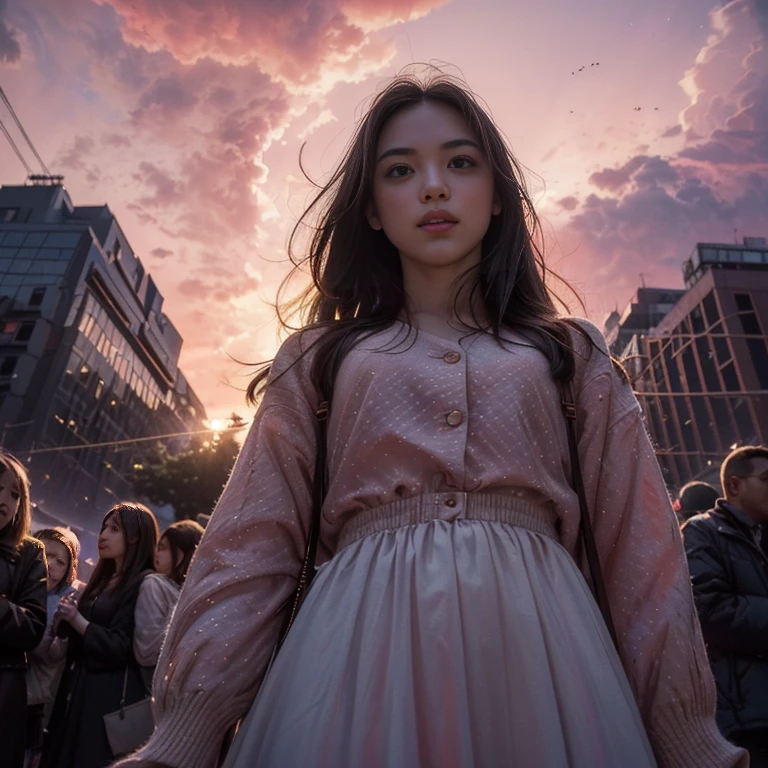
<point>307,572</point>
<point>568,402</point>
<point>125,690</point>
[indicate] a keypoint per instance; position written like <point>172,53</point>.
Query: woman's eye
<point>461,163</point>
<point>398,171</point>
<point>14,495</point>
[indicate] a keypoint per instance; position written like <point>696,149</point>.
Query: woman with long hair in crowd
<point>22,605</point>
<point>160,591</point>
<point>99,627</point>
<point>450,622</point>
<point>46,661</point>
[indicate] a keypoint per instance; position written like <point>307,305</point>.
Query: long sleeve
<point>646,575</point>
<point>110,646</point>
<point>243,573</point>
<point>157,597</point>
<point>730,621</point>
<point>23,614</point>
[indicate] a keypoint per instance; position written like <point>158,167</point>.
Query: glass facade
<point>86,354</point>
<point>690,381</point>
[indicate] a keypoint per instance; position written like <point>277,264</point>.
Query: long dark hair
<point>357,281</point>
<point>183,538</point>
<point>18,529</point>
<point>140,528</point>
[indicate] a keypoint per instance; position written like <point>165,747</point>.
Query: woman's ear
<point>373,219</point>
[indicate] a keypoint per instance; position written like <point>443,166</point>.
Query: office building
<point>701,374</point>
<point>87,355</point>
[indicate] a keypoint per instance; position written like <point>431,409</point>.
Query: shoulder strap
<point>307,572</point>
<point>568,401</point>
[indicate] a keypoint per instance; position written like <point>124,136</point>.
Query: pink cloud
<point>651,210</point>
<point>293,40</point>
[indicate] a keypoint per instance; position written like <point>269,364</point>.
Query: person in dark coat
<point>726,549</point>
<point>695,497</point>
<point>100,629</point>
<point>23,593</point>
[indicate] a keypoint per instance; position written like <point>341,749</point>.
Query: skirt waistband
<point>450,507</point>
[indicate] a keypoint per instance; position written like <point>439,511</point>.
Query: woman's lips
<point>442,226</point>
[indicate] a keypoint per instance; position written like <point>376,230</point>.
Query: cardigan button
<point>451,357</point>
<point>454,418</point>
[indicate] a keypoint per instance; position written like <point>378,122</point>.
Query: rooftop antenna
<point>735,236</point>
<point>642,279</point>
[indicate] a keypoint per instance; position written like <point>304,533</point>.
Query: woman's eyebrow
<point>452,144</point>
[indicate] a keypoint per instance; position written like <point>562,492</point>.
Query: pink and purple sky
<point>186,118</point>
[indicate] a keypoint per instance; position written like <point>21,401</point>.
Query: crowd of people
<point>72,653</point>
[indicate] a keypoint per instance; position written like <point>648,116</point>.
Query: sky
<point>643,129</point>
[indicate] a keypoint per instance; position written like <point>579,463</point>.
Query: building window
<point>25,331</point>
<point>36,299</point>
<point>707,365</point>
<point>749,322</point>
<point>8,366</point>
<point>759,355</point>
<point>691,373</point>
<point>730,378</point>
<point>710,309</point>
<point>8,214</point>
<point>697,320</point>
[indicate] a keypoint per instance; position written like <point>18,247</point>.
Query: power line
<point>112,443</point>
<point>14,147</point>
<point>23,132</point>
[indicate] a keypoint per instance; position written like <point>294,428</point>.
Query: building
<point>87,355</point>
<point>701,374</point>
<point>645,311</point>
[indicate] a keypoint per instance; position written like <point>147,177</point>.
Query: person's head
<point>62,551</point>
<point>15,509</point>
<point>371,223</point>
<point>175,549</point>
<point>127,544</point>
<point>744,477</point>
<point>696,497</point>
<point>356,251</point>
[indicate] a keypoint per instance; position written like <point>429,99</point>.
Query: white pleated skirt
<point>471,642</point>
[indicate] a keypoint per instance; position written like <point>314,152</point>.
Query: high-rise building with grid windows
<point>87,355</point>
<point>701,374</point>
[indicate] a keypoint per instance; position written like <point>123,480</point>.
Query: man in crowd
<point>695,497</point>
<point>726,549</point>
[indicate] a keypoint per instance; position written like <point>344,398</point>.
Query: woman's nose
<point>435,188</point>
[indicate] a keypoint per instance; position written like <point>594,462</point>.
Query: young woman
<point>159,591</point>
<point>99,627</point>
<point>450,623</point>
<point>22,605</point>
<point>46,662</point>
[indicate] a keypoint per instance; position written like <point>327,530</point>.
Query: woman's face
<point>163,559</point>
<point>433,190</point>
<point>112,543</point>
<point>57,556</point>
<point>9,496</point>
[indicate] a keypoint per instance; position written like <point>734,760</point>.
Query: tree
<point>191,480</point>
